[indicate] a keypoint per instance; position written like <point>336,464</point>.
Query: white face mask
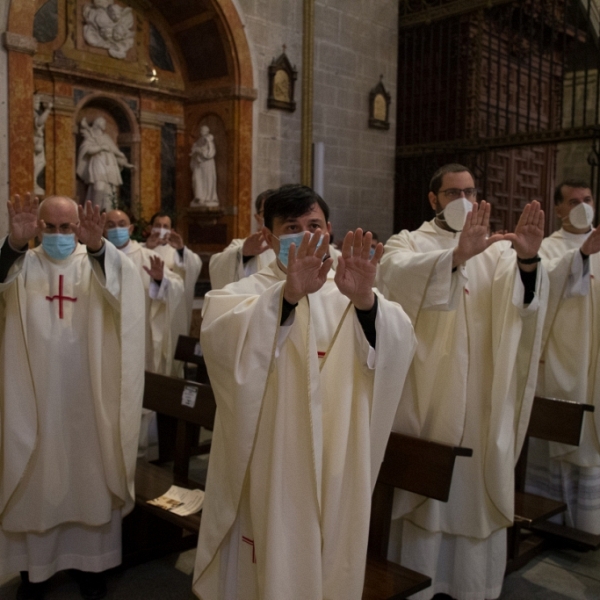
<point>456,213</point>
<point>162,231</point>
<point>582,216</point>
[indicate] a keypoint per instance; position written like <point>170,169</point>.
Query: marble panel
<point>20,125</point>
<point>150,171</point>
<point>64,161</point>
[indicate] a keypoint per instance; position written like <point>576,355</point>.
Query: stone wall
<point>355,43</point>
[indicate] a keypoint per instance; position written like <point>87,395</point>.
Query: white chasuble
<point>163,306</point>
<point>188,268</point>
<point>228,266</point>
<point>72,385</point>
<point>569,369</point>
<point>304,413</point>
<point>471,383</point>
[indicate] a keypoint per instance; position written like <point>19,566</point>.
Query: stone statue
<point>204,173</point>
<point>110,26</point>
<point>99,164</point>
<point>39,149</point>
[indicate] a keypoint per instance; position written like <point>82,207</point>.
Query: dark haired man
<point>477,306</point>
<point>570,367</point>
<point>168,244</point>
<point>242,257</point>
<point>307,370</point>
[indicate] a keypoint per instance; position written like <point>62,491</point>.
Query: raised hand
<point>306,269</point>
<point>175,240</point>
<point>254,244</point>
<point>355,272</point>
<point>157,268</point>
<point>90,227</point>
<point>529,232</point>
<point>154,240</point>
<point>592,244</point>
<point>474,238</point>
<point>23,220</point>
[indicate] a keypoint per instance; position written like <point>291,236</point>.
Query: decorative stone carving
<point>39,150</point>
<point>282,78</point>
<point>379,106</point>
<point>204,172</point>
<point>109,26</point>
<point>99,164</point>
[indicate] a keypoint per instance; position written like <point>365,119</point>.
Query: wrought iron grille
<point>495,85</point>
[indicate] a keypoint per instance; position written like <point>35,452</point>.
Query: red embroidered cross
<point>60,297</point>
<point>466,291</point>
<point>250,543</point>
<point>321,354</point>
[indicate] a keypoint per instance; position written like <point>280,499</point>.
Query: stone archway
<point>161,102</point>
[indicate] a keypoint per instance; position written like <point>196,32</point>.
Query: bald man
<point>164,292</point>
<point>70,395</point>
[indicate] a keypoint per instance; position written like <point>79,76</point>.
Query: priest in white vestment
<point>243,258</point>
<point>307,370</point>
<point>477,306</point>
<point>570,367</point>
<point>168,244</point>
<point>71,394</point>
<point>164,300</point>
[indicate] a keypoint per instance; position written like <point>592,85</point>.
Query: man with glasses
<point>477,306</point>
<point>71,395</point>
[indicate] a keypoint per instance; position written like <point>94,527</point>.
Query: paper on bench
<point>180,501</point>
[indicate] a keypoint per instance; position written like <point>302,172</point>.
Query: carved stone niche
<point>282,78</point>
<point>379,106</point>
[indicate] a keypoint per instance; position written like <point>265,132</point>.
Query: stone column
<point>64,156</point>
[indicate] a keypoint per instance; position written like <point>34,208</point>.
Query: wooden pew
<point>556,421</point>
<point>188,351</point>
<point>418,466</point>
<point>150,531</point>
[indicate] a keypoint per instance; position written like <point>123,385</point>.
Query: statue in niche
<point>99,164</point>
<point>110,26</point>
<point>39,149</point>
<point>204,173</point>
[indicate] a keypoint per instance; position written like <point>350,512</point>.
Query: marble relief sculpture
<point>110,26</point>
<point>39,150</point>
<point>204,173</point>
<point>99,164</point>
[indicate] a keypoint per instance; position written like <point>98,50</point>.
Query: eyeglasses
<point>454,193</point>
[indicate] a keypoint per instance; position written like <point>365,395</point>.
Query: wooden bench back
<point>184,400</point>
<point>188,351</point>
<point>415,465</point>
<point>557,420</point>
<point>182,407</point>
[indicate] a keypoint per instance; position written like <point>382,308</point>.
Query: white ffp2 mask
<point>455,213</point>
<point>581,216</point>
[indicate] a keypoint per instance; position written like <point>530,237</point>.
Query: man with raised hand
<point>168,244</point>
<point>478,307</point>
<point>307,370</point>
<point>71,394</point>
<point>164,293</point>
<point>569,367</point>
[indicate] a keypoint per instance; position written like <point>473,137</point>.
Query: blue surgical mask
<point>371,253</point>
<point>58,245</point>
<point>285,241</point>
<point>118,236</point>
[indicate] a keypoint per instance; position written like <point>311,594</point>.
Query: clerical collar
<point>575,236</point>
<point>444,232</point>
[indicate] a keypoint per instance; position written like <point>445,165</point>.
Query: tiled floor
<point>556,575</point>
